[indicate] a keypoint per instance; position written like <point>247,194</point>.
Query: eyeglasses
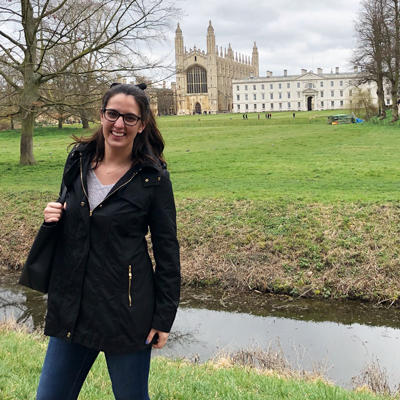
<point>112,115</point>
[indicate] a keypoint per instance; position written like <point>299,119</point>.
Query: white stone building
<point>305,92</point>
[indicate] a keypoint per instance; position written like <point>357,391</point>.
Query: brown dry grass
<point>269,361</point>
<point>308,250</point>
<point>374,378</point>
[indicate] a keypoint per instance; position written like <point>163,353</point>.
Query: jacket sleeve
<point>162,222</point>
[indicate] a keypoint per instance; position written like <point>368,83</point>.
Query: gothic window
<point>196,80</point>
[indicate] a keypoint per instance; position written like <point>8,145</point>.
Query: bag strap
<point>63,195</point>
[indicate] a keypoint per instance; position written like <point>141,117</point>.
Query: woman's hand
<point>53,212</point>
<point>162,338</point>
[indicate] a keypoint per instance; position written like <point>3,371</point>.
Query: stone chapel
<point>204,78</point>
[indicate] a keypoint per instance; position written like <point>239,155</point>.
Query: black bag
<point>37,269</point>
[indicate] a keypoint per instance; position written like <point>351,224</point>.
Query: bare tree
<point>33,30</point>
<point>392,52</point>
<point>368,56</point>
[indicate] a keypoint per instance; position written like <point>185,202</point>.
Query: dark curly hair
<point>149,137</point>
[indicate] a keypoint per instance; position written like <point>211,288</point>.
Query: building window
<point>298,104</point>
<point>280,95</point>
<point>321,84</point>
<point>245,87</point>
<point>280,86</point>
<point>341,93</point>
<point>288,95</point>
<point>341,83</point>
<point>288,105</point>
<point>263,96</point>
<point>341,103</point>
<point>255,106</point>
<point>322,93</point>
<point>280,105</point>
<point>350,92</point>
<point>322,103</point>
<point>263,106</point>
<point>238,107</point>
<point>298,95</point>
<point>262,87</point>
<point>246,97</point>
<point>387,101</point>
<point>254,87</point>
<point>288,85</point>
<point>298,85</point>
<point>272,106</point>
<point>271,86</point>
<point>310,85</point>
<point>196,80</point>
<point>271,96</point>
<point>332,103</point>
<point>237,97</point>
<point>255,97</point>
<point>331,83</point>
<point>247,106</point>
<point>332,93</point>
<point>237,88</point>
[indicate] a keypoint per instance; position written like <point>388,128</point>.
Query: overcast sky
<point>290,34</point>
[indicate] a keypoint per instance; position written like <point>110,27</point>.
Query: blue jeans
<point>67,364</point>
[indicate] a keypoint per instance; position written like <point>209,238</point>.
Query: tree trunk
<point>60,122</point>
<point>381,96</point>
<point>26,150</point>
<point>85,123</point>
<point>395,106</point>
<point>395,83</point>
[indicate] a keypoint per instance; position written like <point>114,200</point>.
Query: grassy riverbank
<point>285,205</point>
<point>22,354</point>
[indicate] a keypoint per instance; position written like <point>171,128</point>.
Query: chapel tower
<point>212,81</point>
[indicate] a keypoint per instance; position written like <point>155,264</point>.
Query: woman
<point>104,293</point>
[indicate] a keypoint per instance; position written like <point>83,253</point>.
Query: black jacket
<point>104,292</point>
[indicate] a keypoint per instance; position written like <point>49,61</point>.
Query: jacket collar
<point>81,155</point>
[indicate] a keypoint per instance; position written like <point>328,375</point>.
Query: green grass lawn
<point>229,158</point>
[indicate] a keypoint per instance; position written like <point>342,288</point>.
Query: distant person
<point>246,115</point>
<point>294,115</point>
<point>266,115</point>
<point>258,116</point>
<point>270,115</point>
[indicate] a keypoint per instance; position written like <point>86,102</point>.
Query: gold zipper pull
<point>130,283</point>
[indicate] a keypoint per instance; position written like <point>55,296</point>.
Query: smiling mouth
<point>118,134</point>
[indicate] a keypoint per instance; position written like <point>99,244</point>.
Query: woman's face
<point>118,135</point>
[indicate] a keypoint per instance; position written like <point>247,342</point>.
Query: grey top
<point>96,190</point>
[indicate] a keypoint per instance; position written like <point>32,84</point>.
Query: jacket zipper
<point>130,284</point>
<point>87,197</point>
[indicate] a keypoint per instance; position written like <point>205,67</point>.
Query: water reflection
<point>347,334</point>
